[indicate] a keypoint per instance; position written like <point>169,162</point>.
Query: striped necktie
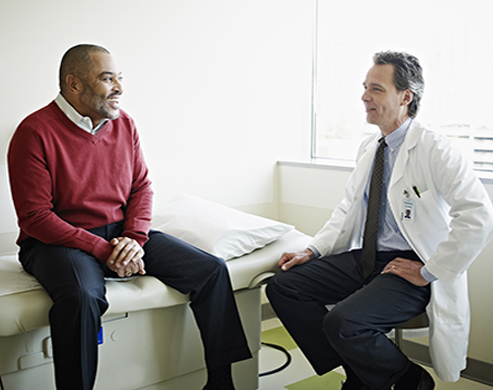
<point>369,251</point>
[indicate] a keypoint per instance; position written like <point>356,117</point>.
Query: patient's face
<point>102,89</point>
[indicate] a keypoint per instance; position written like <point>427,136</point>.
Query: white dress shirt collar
<point>84,122</point>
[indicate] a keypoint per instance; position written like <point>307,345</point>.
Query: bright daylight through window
<point>452,40</point>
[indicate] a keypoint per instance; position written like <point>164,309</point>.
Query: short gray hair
<point>77,61</point>
<point>408,74</point>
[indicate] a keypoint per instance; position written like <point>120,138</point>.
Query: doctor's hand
<point>126,258</point>
<point>291,259</point>
<point>407,269</point>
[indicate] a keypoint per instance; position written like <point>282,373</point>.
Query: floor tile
<point>330,381</point>
<point>299,375</point>
<point>279,336</point>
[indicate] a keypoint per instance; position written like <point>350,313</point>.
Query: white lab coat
<point>453,221</point>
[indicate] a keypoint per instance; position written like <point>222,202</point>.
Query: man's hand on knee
<point>291,259</point>
<point>126,258</point>
<point>407,269</point>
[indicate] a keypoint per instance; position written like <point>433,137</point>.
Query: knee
<point>338,326</point>
<point>84,300</point>
<point>213,269</point>
<point>275,287</point>
<point>271,288</point>
<point>275,294</point>
<point>217,265</point>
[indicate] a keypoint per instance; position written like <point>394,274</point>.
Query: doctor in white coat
<point>435,218</point>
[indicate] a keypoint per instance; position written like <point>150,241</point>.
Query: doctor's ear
<point>407,97</point>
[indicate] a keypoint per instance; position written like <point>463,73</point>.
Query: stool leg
<point>398,338</point>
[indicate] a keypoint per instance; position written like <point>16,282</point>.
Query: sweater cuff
<point>102,251</point>
<point>141,238</point>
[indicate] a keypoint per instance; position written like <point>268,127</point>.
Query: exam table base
<point>158,349</point>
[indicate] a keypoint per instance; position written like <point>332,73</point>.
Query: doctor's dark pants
<point>75,282</point>
<point>352,333</point>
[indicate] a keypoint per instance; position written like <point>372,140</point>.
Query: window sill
<point>486,177</point>
<point>321,163</point>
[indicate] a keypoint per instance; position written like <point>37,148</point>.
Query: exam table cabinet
<point>149,336</point>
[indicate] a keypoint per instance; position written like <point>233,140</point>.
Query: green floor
<point>300,376</point>
<point>280,336</point>
<point>332,380</point>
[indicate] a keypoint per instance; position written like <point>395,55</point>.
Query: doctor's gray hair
<point>408,74</point>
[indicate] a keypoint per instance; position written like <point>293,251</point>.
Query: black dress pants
<point>352,333</point>
<point>75,282</point>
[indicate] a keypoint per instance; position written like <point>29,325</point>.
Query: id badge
<point>408,210</point>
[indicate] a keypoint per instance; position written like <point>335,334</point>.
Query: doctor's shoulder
<point>440,149</point>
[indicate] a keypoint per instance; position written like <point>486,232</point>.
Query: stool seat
<point>420,321</point>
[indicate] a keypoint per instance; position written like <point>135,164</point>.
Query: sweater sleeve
<point>138,211</point>
<point>31,186</point>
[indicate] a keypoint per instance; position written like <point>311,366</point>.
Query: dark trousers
<point>75,282</point>
<point>352,333</point>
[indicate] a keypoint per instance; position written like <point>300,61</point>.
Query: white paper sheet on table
<point>13,278</point>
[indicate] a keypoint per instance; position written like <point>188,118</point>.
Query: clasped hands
<point>126,258</point>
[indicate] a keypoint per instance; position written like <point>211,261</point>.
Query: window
<point>452,40</point>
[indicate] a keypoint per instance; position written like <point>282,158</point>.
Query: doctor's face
<point>385,106</point>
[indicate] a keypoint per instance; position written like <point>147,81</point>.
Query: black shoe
<point>347,386</point>
<point>416,378</point>
<point>426,382</point>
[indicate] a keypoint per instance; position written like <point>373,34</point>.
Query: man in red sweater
<point>83,200</point>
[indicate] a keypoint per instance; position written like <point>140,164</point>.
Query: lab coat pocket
<point>428,216</point>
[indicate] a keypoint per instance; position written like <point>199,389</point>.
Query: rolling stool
<point>420,321</point>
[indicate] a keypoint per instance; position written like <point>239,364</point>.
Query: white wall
<point>310,209</point>
<point>220,89</point>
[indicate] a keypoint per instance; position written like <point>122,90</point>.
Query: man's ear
<point>407,97</point>
<point>74,84</point>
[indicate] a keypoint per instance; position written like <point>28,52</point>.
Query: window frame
<point>475,137</point>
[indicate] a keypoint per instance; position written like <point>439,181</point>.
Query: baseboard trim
<point>476,370</point>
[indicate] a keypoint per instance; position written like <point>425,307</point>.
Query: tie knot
<point>381,147</point>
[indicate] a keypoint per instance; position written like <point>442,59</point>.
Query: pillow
<point>216,229</point>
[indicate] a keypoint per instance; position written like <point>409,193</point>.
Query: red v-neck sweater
<point>65,180</point>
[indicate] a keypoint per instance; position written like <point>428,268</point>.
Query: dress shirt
<point>84,122</point>
<point>390,237</point>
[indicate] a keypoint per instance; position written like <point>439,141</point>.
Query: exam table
<point>149,339</point>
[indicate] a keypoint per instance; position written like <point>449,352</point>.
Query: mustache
<point>114,94</point>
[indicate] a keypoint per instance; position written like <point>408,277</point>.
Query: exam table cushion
<point>24,305</point>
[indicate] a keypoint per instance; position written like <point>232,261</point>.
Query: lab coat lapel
<point>403,157</point>
<point>366,160</point>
